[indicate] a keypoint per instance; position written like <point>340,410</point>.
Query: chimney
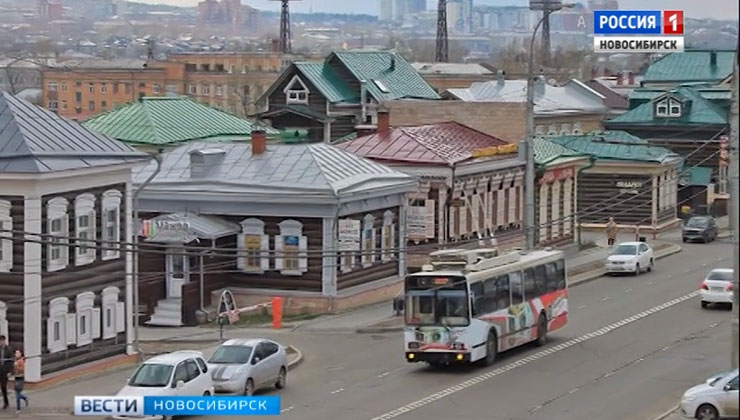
<point>620,79</point>
<point>631,78</point>
<point>384,121</point>
<point>393,61</point>
<point>501,77</point>
<point>539,85</point>
<point>202,161</point>
<point>259,142</point>
<point>713,58</point>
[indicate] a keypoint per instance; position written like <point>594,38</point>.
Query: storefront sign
<point>557,175</point>
<point>420,221</point>
<point>495,150</point>
<point>348,235</point>
<point>164,230</point>
<point>629,187</point>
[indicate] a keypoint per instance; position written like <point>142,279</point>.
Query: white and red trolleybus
<point>469,305</point>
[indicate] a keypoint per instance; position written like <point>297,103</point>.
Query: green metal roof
<point>710,93</point>
<point>599,146</point>
<point>169,120</point>
<point>302,110</point>
<point>696,176</point>
<point>700,112</point>
<point>327,81</point>
<point>690,66</point>
<point>547,152</point>
<point>388,75</point>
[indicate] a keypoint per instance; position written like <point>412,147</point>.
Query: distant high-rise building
<point>399,9</point>
<point>386,10</point>
<point>603,4</point>
<point>50,10</point>
<point>460,16</point>
<point>227,12</point>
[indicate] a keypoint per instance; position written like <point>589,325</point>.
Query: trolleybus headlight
<point>411,356</point>
<point>460,356</point>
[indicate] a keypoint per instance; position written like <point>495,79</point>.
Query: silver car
<point>244,366</point>
<point>715,399</point>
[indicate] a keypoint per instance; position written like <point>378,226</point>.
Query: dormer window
<point>296,92</point>
<point>668,107</point>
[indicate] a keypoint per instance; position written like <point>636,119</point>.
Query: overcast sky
<point>725,9</point>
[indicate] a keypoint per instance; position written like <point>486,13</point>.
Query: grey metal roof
<point>35,140</point>
<point>452,69</point>
<point>547,99</point>
<point>314,172</point>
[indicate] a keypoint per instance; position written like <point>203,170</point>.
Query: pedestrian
<point>611,231</point>
<point>6,365</point>
<point>19,370</point>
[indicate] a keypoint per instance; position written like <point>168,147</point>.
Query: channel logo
<point>120,406</point>
<point>638,31</point>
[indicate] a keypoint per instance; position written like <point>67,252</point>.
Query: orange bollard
<point>277,313</point>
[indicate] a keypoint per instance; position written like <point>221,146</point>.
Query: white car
<point>717,398</point>
<point>244,366</point>
<point>181,373</point>
<point>630,257</point>
<point>717,287</point>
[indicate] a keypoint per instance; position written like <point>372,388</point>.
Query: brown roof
<point>442,143</point>
<point>612,99</point>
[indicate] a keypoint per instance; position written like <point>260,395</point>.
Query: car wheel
<point>207,394</point>
<point>282,378</point>
<point>650,267</point>
<point>638,270</point>
<point>249,388</point>
<point>684,240</point>
<point>542,330</point>
<point>707,412</point>
<point>704,304</point>
<point>491,349</point>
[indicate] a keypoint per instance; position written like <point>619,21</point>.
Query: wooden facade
<point>12,281</point>
<point>556,205</point>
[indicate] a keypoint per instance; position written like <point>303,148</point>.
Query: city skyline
<point>717,9</point>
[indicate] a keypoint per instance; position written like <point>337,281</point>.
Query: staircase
<point>168,313</point>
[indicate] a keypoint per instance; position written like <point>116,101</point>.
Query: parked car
<point>715,399</point>
<point>181,373</point>
<point>717,287</point>
<point>630,257</point>
<point>699,228</point>
<point>246,365</point>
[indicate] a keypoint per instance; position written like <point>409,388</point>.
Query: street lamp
<point>529,222</point>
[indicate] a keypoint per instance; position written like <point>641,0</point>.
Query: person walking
<point>19,370</point>
<point>611,232</point>
<point>6,366</point>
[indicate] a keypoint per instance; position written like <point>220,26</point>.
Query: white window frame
<point>4,320</point>
<point>205,89</point>
<point>85,251</point>
<point>368,240</point>
<point>389,228</point>
<point>291,228</point>
<point>677,104</point>
<point>58,314</point>
<point>292,95</point>
<point>51,86</point>
<point>88,318</point>
<point>91,87</point>
<point>63,86</point>
<point>52,105</point>
<point>253,228</point>
<point>113,313</point>
<point>64,105</point>
<point>565,129</point>
<point>111,202</point>
<point>56,209</point>
<point>103,88</point>
<point>193,89</point>
<point>662,104</point>
<point>6,245</point>
<point>219,90</point>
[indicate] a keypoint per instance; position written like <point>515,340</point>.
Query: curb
<point>95,368</point>
<point>586,277</point>
<point>666,414</point>
<point>297,361</point>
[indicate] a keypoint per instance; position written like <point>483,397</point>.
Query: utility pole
<point>286,43</point>
<point>734,209</point>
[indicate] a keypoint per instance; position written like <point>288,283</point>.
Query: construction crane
<point>443,49</point>
<point>286,46</point>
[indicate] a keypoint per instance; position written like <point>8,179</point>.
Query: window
<point>127,88</point>
<point>564,129</point>
<point>675,108</point>
<point>142,85</point>
<point>88,318</point>
<point>503,300</point>
<point>181,373</point>
<point>517,288</point>
<point>103,88</point>
<point>205,90</point>
<point>6,245</point>
<point>540,280</point>
<point>63,86</point>
<point>205,67</point>
<point>368,240</point>
<point>290,249</point>
<point>60,326</point>
<point>156,89</point>
<point>577,131</point>
<point>103,105</point>
<point>114,312</point>
<point>83,324</point>
<point>254,247</point>
<point>115,88</point>
<point>91,87</point>
<point>192,369</point>
<point>91,105</point>
<point>560,272</point>
<point>58,229</point>
<point>111,223</point>
<point>52,105</point>
<point>219,90</point>
<point>78,97</point>
<point>64,105</point>
<point>530,289</point>
<point>85,229</point>
<point>51,86</point>
<point>296,92</point>
<point>388,236</point>
<point>202,364</point>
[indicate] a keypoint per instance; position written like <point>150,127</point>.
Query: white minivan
<point>181,373</point>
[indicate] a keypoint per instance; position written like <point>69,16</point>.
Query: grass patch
<point>588,245</point>
<point>262,318</point>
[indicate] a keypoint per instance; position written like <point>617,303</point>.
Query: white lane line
<point>285,410</point>
<point>650,283</point>
<point>582,307</point>
<point>573,391</point>
<point>384,374</point>
<point>539,355</point>
<point>337,391</point>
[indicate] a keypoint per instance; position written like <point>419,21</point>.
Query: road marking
<point>337,391</point>
<point>649,283</point>
<point>525,361</point>
<point>628,291</point>
<point>573,391</point>
<point>582,307</point>
<point>605,299</point>
<point>285,410</point>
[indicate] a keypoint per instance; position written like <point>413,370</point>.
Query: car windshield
<point>698,222</point>
<point>716,378</point>
<point>447,307</point>
<point>231,355</point>
<point>625,250</point>
<point>151,375</point>
<point>720,275</point>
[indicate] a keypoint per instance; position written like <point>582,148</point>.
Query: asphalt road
<point>632,346</point>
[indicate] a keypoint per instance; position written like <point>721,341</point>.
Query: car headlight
<point>688,398</point>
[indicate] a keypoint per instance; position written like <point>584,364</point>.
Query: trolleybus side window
<point>488,299</point>
<point>530,291</point>
<point>476,290</point>
<point>502,291</point>
<point>553,277</point>
<point>517,289</point>
<point>560,267</point>
<point>540,280</point>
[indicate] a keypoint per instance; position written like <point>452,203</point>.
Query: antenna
<point>286,46</point>
<point>442,54</point>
